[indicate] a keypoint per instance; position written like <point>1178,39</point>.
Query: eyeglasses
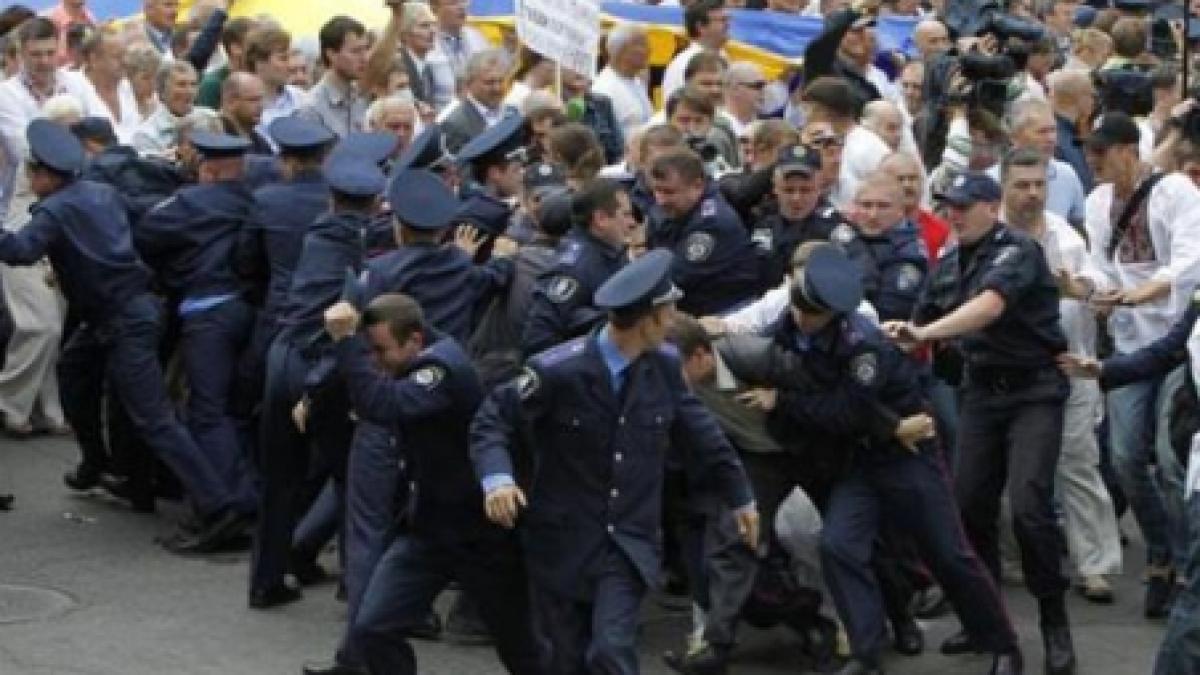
<point>759,85</point>
<point>826,142</point>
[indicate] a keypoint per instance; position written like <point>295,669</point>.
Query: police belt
<point>1001,378</point>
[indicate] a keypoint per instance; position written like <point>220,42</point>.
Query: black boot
<point>83,477</point>
<point>464,626</point>
<point>856,667</point>
<point>960,643</point>
<point>1060,652</point>
<point>1008,663</point>
<point>907,638</point>
<point>708,660</point>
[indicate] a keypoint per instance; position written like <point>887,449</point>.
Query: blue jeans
<point>1180,650</point>
<point>1134,414</point>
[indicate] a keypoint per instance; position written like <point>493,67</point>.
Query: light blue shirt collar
<point>614,360</point>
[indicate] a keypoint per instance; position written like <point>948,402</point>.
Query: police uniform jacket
<point>451,290</point>
<point>270,244</point>
<point>561,305</point>
<point>430,406</point>
<point>1027,336</point>
<point>716,265</point>
<point>894,265</point>
<point>190,239</point>
<point>83,230</point>
<point>333,245</point>
<point>596,475</point>
<point>777,237</point>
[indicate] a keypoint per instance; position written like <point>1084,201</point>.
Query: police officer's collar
<point>610,250</point>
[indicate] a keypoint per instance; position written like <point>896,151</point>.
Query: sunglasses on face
<point>758,86</point>
<point>826,142</point>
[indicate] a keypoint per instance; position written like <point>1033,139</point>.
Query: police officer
<point>80,225</point>
<point>494,162</point>
<point>852,363</point>
<point>995,294</point>
<point>591,252</point>
<point>600,409</point>
<point>189,241</point>
<point>270,242</point>
<point>300,390</point>
<point>887,248</point>
<point>451,289</point>
<point>538,181</point>
<point>716,265</point>
<point>429,393</point>
<point>801,213</point>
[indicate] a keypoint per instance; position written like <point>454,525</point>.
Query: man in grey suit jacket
<point>480,105</point>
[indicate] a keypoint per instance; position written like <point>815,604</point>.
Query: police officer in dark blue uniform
<point>452,290</point>
<point>270,243</point>
<point>887,248</point>
<point>300,390</point>
<point>591,252</point>
<point>800,213</point>
<point>189,241</point>
<point>429,393</point>
<point>80,225</point>
<point>599,412</point>
<point>854,366</point>
<point>996,295</point>
<point>716,265</point>
<point>493,165</point>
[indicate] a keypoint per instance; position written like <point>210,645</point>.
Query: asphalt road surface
<point>84,590</point>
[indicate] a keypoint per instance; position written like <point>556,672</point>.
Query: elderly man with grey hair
<point>176,84</point>
<point>397,115</point>
<point>1031,125</point>
<point>621,80</point>
<point>481,103</point>
<point>745,86</point>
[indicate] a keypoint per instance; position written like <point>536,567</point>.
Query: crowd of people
<point>837,348</point>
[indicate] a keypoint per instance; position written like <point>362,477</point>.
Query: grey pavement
<point>85,590</point>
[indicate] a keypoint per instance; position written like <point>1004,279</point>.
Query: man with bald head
<point>628,53</point>
<point>242,97</point>
<point>932,38</point>
<point>885,120</point>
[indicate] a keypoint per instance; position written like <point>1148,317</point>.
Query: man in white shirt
<point>833,101</point>
<point>1031,125</point>
<point>707,26</point>
<point>22,95</point>
<point>103,54</point>
<point>268,55</point>
<point>1091,524</point>
<point>744,89</point>
<point>621,80</point>
<point>456,41</point>
<point>1151,260</point>
<point>159,134</point>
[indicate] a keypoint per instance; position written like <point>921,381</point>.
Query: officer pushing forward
<point>996,294</point>
<point>602,410</point>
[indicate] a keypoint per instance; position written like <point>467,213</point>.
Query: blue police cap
<point>424,152</point>
<point>97,129</point>
<point>555,214</point>
<point>798,159</point>
<point>645,282</point>
<point>969,188</point>
<point>501,138</point>
<point>55,148</point>
<point>1085,16</point>
<point>420,200</point>
<point>375,146</point>
<point>1132,5</point>
<point>298,134</point>
<point>216,146</point>
<point>830,281</point>
<point>354,175</point>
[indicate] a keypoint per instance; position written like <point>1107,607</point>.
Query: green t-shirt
<point>209,92</point>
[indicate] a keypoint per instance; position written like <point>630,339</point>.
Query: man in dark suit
<point>480,106</point>
<point>418,30</point>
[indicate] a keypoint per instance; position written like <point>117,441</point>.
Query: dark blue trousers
<point>913,493</point>
<point>211,344</point>
<point>411,573</point>
<point>124,350</point>
<point>597,636</point>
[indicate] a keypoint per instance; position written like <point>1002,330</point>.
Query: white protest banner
<point>566,31</point>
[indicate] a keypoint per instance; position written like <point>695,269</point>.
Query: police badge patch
<point>561,288</point>
<point>527,383</point>
<point>429,376</point>
<point>1007,256</point>
<point>908,277</point>
<point>864,368</point>
<point>698,247</point>
<point>842,234</point>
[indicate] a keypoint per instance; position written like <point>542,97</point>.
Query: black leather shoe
<point>82,478</point>
<point>464,626</point>
<point>430,629</point>
<point>220,530</point>
<point>307,570</point>
<point>1008,663</point>
<point>929,603</point>
<point>6,502</point>
<point>907,638</point>
<point>1060,652</point>
<point>141,500</point>
<point>960,643</point>
<point>274,597</point>
<point>708,660</point>
<point>857,667</point>
<point>1158,596</point>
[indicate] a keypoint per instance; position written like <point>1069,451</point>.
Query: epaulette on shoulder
<point>560,353</point>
